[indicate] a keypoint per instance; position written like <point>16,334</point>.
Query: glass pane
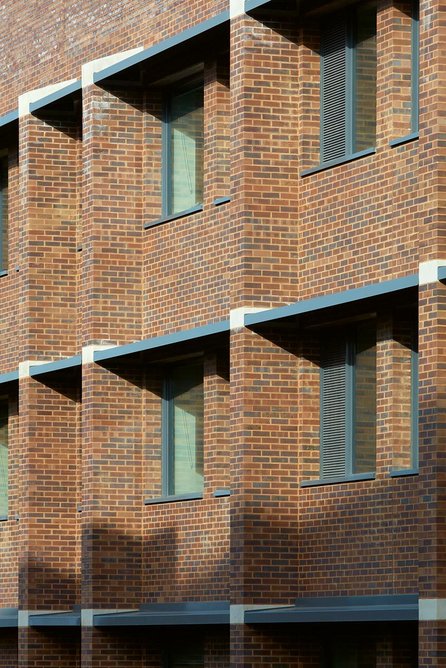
<point>186,150</point>
<point>3,213</point>
<point>3,458</point>
<point>365,93</point>
<point>187,407</point>
<point>364,445</point>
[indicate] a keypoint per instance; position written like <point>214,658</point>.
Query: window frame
<point>167,431</point>
<point>4,401</point>
<point>415,63</point>
<point>4,185</point>
<point>351,151</point>
<point>183,86</point>
<point>350,345</point>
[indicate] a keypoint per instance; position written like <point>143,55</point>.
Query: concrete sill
<point>174,216</point>
<point>404,140</point>
<point>403,472</point>
<point>219,493</point>
<point>339,161</point>
<point>357,477</point>
<point>173,499</point>
<point>218,201</point>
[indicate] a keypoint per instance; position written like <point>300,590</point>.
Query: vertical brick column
<point>49,174</point>
<point>432,400</point>
<point>47,513</point>
<point>216,138</point>
<point>111,306</point>
<point>265,184</point>
<point>112,195</point>
<point>265,177</point>
<point>111,500</point>
<point>264,516</point>
<point>46,263</point>
<point>432,334</point>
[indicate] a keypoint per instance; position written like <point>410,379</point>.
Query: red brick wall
<point>70,35</point>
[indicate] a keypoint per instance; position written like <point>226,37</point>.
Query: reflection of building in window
<point>348,83</point>
<point>3,211</point>
<point>348,402</point>
<point>3,457</point>
<point>183,431</point>
<point>183,150</point>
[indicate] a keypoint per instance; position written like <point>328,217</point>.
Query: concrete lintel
<point>89,351</point>
<point>237,315</point>
<point>25,367</point>
<point>236,8</point>
<point>94,66</point>
<point>23,619</point>
<point>428,271</point>
<point>87,614</point>
<point>32,96</point>
<point>237,611</point>
<point>432,609</point>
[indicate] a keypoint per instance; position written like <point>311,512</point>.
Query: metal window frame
<point>5,401</point>
<point>350,411</point>
<point>350,19</point>
<point>4,168</point>
<point>415,81</point>
<point>183,86</point>
<point>414,403</point>
<point>167,433</point>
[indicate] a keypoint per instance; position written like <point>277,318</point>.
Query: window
<point>4,487</point>
<point>183,431</point>
<point>348,83</point>
<point>348,403</point>
<point>183,149</point>
<point>3,211</point>
<point>189,656</point>
<point>415,82</point>
<point>350,653</point>
<point>414,401</point>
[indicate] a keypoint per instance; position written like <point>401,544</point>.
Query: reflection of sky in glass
<point>186,150</point>
<point>188,431</point>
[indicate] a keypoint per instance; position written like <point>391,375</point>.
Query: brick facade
<point>110,294</point>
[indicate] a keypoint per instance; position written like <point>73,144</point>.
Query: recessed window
<point>348,83</point>
<point>187,656</point>
<point>348,402</point>
<point>183,149</point>
<point>350,653</point>
<point>3,211</point>
<point>4,485</point>
<point>415,65</point>
<point>183,431</point>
